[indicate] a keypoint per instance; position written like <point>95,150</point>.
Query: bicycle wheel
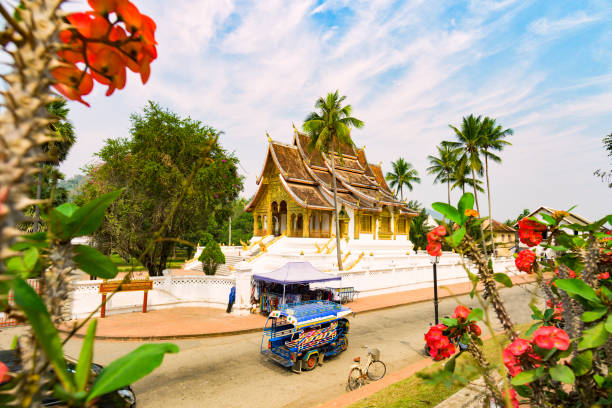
<point>376,370</point>
<point>354,379</point>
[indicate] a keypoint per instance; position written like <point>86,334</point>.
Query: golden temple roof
<point>306,176</point>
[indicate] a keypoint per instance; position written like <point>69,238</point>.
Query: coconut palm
<point>468,142</point>
<point>461,177</point>
<point>492,140</point>
<point>403,174</point>
<point>328,128</point>
<point>57,149</point>
<point>443,166</point>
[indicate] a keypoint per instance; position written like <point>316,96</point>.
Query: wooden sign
<point>128,286</point>
<point>135,285</point>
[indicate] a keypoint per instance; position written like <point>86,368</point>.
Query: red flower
<point>519,347</point>
<point>605,275</point>
<point>570,273</point>
<point>513,397</point>
<point>434,249</point>
<point>439,345</point>
<point>475,329</point>
<point>511,362</point>
<point>440,231</point>
<point>72,82</point>
<point>549,337</point>
<point>558,309</point>
<point>530,232</point>
<point>524,261</point>
<point>129,14</point>
<point>4,375</point>
<point>472,213</point>
<point>461,313</point>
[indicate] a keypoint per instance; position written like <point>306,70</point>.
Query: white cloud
<point>546,27</point>
<point>408,70</point>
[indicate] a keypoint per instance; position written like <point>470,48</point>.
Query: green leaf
<point>67,209</point>
<point>46,334</point>
<point>526,377</point>
<point>577,287</point>
<point>94,262</point>
<point>130,368</point>
<point>536,219</point>
<point>524,391</point>
<point>593,337</point>
<point>558,248</point>
<point>608,325</point>
<point>537,313</point>
<point>466,202</point>
<point>533,328</point>
<point>448,211</point>
<point>88,218</point>
<point>83,368</point>
<point>503,279</point>
<point>548,313</point>
<point>582,362</point>
<point>450,364</point>
<point>475,315</point>
<point>599,379</point>
<point>449,322</point>
<point>550,220</point>
<point>562,373</point>
<point>457,236</point>
<point>607,292</point>
<point>593,315</point>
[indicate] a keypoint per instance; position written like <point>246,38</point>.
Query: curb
<point>526,280</point>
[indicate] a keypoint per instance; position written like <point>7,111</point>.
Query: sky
<point>408,68</point>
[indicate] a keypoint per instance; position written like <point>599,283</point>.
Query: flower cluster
<point>571,274</point>
<point>557,308</point>
<point>97,47</point>
<point>461,313</point>
<point>471,213</point>
<point>522,351</point>
<point>524,260</point>
<point>434,240</point>
<point>439,345</point>
<point>530,232</point>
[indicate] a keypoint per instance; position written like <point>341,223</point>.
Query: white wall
<point>168,291</point>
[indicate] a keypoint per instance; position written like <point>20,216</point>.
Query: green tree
<point>328,129</point>
<point>419,228</point>
<point>162,153</point>
<point>242,224</point>
<point>461,178</point>
<point>403,174</point>
<point>469,143</point>
<point>443,166</point>
<point>492,140</point>
<point>211,256</point>
<point>62,132</point>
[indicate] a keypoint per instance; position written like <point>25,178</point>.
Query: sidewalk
<point>195,322</point>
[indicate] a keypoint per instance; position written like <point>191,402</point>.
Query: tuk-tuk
<point>301,335</point>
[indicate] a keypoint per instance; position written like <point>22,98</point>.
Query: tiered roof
<point>307,177</point>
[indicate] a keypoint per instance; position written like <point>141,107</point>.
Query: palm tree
<point>57,149</point>
<point>329,128</point>
<point>469,141</point>
<point>404,174</point>
<point>461,177</point>
<point>443,166</point>
<point>492,139</point>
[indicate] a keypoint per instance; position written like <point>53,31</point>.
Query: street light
<point>434,261</point>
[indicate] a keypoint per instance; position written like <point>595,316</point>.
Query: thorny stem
<point>16,26</point>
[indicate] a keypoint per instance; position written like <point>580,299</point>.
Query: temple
<point>295,195</point>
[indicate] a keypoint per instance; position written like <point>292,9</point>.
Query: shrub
<point>212,256</point>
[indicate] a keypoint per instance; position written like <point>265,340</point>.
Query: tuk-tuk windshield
<point>278,327</point>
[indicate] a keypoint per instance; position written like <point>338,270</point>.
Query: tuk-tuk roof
<point>312,312</point>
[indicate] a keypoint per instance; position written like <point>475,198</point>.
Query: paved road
<point>229,371</point>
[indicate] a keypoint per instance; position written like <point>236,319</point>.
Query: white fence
<point>168,291</point>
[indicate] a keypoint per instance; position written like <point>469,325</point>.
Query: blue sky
<point>409,68</point>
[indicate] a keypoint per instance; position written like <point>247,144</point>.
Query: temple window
<point>401,226</point>
<point>366,224</point>
<point>259,224</point>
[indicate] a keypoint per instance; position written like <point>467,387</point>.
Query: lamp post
<point>434,261</point>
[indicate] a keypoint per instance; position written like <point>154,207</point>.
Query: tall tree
<point>154,165</point>
<point>57,149</point>
<point>461,178</point>
<point>492,140</point>
<point>403,174</point>
<point>606,176</point>
<point>328,129</point>
<point>443,166</point>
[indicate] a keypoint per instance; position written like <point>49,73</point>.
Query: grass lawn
<point>133,264</point>
<point>415,392</point>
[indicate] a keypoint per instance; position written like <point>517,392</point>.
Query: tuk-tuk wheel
<point>311,363</point>
<point>343,343</point>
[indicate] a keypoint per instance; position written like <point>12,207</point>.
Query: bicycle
<point>373,370</point>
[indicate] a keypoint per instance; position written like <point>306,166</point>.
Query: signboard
<point>111,286</point>
<point>128,286</point>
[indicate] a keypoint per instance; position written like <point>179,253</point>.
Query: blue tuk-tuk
<point>301,335</point>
